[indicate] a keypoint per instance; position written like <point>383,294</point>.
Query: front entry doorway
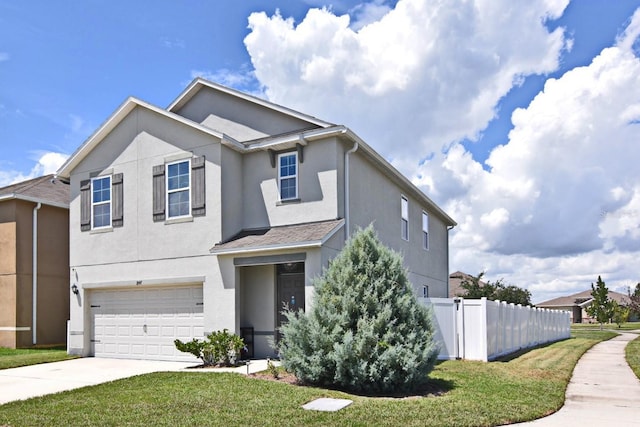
<point>290,290</point>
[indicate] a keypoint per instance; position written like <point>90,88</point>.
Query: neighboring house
<point>219,210</point>
<point>455,283</point>
<point>576,304</point>
<point>34,261</point>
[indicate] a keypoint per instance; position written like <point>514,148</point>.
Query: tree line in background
<point>634,300</point>
<point>498,291</point>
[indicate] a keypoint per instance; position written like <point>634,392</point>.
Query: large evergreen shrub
<point>366,331</point>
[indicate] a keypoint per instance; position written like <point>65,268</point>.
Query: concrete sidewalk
<point>603,390</point>
<point>47,378</point>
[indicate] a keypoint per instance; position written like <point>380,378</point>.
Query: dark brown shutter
<point>117,200</point>
<point>198,193</point>
<point>85,205</point>
<point>158,193</point>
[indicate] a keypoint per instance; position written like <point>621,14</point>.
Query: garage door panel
<point>143,323</point>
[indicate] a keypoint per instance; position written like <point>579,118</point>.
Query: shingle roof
<point>309,234</point>
<point>580,298</point>
<point>45,189</point>
<point>455,282</point>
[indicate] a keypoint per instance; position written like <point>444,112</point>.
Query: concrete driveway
<point>47,378</point>
<point>37,380</point>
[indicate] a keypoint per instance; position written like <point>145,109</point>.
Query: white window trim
<point>168,192</point>
<point>93,204</point>
<point>425,233</point>
<point>280,177</point>
<point>403,200</point>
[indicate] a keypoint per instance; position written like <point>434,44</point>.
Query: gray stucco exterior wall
<point>375,199</point>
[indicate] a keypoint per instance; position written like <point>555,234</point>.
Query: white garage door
<point>143,323</point>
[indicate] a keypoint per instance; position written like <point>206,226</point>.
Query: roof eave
<point>267,248</point>
<point>297,138</point>
<point>14,196</point>
<point>316,243</point>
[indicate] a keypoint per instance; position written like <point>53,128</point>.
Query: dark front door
<point>290,279</point>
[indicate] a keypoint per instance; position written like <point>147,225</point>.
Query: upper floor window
<point>288,176</point>
<point>101,202</point>
<point>404,214</point>
<point>425,231</point>
<point>179,189</point>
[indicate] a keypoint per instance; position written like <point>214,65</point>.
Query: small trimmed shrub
<point>366,331</point>
<point>273,369</point>
<point>219,348</point>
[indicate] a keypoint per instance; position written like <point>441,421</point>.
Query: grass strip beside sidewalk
<point>632,354</point>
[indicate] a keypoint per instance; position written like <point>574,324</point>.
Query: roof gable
<point>199,84</point>
<point>116,118</point>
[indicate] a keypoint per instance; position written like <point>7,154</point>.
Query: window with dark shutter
<point>117,219</point>
<point>179,187</point>
<point>198,202</point>
<point>85,205</point>
<point>158,193</point>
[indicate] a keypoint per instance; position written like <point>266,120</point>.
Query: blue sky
<point>432,87</point>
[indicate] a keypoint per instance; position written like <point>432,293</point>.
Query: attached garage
<point>143,323</point>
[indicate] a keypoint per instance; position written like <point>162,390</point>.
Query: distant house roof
<point>45,189</point>
<point>455,283</point>
<point>581,299</point>
<point>281,237</point>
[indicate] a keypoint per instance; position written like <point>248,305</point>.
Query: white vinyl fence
<point>480,329</point>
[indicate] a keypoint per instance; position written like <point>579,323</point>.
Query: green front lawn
<point>10,358</point>
<point>465,393</point>
<point>628,326</point>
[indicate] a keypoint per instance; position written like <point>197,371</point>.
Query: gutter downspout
<point>346,189</point>
<point>34,273</point>
<point>449,228</point>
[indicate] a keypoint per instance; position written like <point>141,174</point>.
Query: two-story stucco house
<point>214,212</point>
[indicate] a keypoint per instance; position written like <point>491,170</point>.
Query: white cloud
<point>435,70</point>
<point>559,204</point>
<point>46,163</point>
<point>567,179</point>
<point>4,56</point>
